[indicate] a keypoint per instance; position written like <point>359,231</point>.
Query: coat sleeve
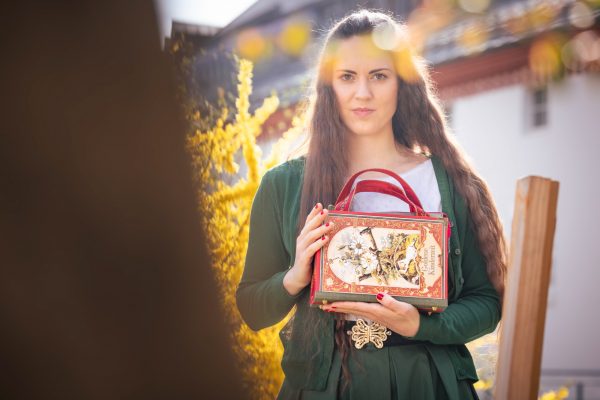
<point>261,298</point>
<point>477,310</point>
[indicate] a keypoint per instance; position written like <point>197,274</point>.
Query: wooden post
<point>524,312</point>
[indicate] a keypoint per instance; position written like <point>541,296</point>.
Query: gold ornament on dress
<point>363,333</point>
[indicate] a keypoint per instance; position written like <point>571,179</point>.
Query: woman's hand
<point>312,238</point>
<point>400,317</point>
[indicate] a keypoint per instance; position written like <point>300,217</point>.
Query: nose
<point>363,91</point>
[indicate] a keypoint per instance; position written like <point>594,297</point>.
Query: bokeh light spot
<point>474,6</point>
<point>581,15</point>
<point>582,49</point>
<point>474,37</point>
<point>404,62</point>
<point>428,19</point>
<point>545,57</point>
<point>294,37</point>
<point>542,15</point>
<point>252,45</point>
<point>517,25</point>
<point>386,37</point>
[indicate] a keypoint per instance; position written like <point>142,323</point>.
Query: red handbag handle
<point>382,187</point>
<point>410,194</point>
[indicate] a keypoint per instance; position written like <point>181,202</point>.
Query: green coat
<point>474,305</point>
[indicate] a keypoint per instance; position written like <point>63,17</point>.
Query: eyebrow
<point>370,72</point>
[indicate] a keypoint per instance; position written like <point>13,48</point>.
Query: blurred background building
<point>520,84</point>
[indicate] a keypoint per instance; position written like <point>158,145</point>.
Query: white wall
<point>492,128</point>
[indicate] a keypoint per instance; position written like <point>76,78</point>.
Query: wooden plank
<point>524,312</point>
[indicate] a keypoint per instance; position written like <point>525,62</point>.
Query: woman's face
<point>365,85</point>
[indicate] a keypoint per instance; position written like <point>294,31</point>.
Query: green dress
<point>440,368</point>
<point>394,373</point>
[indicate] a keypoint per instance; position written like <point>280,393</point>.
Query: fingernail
<point>380,296</point>
<point>327,224</point>
<point>322,237</point>
<point>322,212</point>
<point>316,206</point>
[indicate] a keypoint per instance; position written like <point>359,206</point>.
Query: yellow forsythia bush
<point>225,198</point>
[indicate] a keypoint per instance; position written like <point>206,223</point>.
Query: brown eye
<point>379,76</point>
<point>347,77</point>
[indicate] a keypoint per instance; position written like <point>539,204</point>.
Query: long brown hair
<point>419,124</point>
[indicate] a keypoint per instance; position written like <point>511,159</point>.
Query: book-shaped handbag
<point>404,254</point>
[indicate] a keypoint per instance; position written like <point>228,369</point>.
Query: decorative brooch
<point>363,333</point>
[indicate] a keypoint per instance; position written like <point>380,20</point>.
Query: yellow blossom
<point>483,384</point>
<point>225,199</point>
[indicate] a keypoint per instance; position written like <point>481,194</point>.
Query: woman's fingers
<point>316,221</point>
<point>317,233</point>
<point>385,302</point>
<point>314,228</point>
<point>402,318</point>
<point>367,310</point>
<point>396,306</point>
<point>316,211</point>
<point>316,245</point>
<point>374,311</point>
<point>389,302</point>
<point>313,235</point>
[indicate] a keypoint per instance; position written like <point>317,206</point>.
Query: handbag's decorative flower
<point>369,262</point>
<point>358,245</point>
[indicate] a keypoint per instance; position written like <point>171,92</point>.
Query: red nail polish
<point>327,224</point>
<point>316,206</point>
<point>322,212</point>
<point>322,237</point>
<point>379,296</point>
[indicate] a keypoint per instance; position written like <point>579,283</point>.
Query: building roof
<point>498,27</point>
<point>194,29</point>
<point>265,9</point>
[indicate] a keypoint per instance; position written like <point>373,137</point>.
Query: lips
<point>362,111</point>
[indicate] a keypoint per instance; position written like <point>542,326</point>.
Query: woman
<point>372,108</point>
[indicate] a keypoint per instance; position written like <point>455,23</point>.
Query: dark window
<point>539,106</point>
